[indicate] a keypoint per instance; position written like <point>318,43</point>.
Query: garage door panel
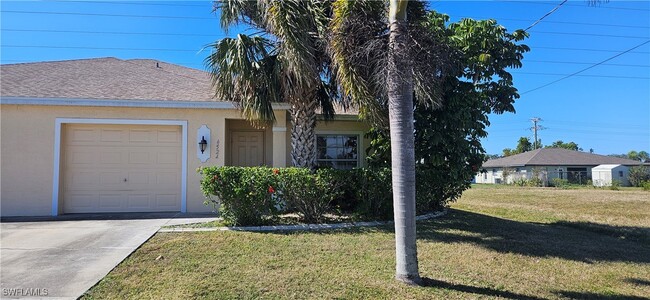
<point>167,179</point>
<point>111,135</point>
<point>140,158</point>
<point>81,202</point>
<point>140,136</point>
<point>111,157</point>
<point>168,136</point>
<point>98,159</point>
<point>167,200</point>
<point>168,157</point>
<point>80,135</point>
<point>138,202</point>
<point>110,201</point>
<point>139,178</point>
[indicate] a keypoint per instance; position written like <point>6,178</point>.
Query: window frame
<point>357,134</point>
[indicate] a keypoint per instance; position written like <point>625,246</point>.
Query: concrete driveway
<point>64,257</point>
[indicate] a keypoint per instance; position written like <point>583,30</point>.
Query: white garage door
<point>121,168</point>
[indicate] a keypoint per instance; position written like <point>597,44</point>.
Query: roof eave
<point>126,103</point>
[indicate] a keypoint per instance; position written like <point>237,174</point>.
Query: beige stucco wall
<point>27,148</point>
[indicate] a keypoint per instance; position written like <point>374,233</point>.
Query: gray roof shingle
<point>557,157</point>
<point>105,78</point>
<point>110,78</point>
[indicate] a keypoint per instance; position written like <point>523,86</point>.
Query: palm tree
<point>375,67</point>
<point>283,61</point>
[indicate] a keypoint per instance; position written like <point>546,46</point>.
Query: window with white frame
<point>339,151</point>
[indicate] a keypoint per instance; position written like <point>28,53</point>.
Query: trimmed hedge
<point>258,195</point>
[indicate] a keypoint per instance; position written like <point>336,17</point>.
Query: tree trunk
<point>400,110</point>
<point>303,133</point>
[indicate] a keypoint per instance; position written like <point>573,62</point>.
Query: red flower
<point>271,190</point>
<point>276,171</point>
<point>214,178</point>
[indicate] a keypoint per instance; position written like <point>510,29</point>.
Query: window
<point>620,173</point>
<point>337,151</point>
<point>494,172</point>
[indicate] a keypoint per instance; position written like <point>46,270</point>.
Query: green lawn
<point>513,243</point>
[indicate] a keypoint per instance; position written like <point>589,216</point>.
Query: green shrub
<point>373,193</point>
<point>257,195</point>
<point>560,183</point>
<point>246,196</point>
<point>616,185</point>
<point>520,182</point>
<point>646,185</point>
<point>310,193</point>
<point>638,175</point>
<point>535,181</point>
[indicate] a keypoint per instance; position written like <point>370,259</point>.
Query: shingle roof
<point>105,78</point>
<point>557,157</point>
<point>110,78</point>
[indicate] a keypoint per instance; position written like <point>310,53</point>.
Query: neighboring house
<point>112,135</point>
<point>546,164</point>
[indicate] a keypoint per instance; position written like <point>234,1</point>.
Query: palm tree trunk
<point>400,110</point>
<point>303,133</point>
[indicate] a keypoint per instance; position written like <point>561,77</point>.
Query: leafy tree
<point>523,145</point>
<point>285,61</point>
<point>643,156</point>
<point>560,144</point>
<point>633,155</point>
<point>638,175</point>
<point>452,98</point>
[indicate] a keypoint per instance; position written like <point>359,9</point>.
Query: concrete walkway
<point>63,257</point>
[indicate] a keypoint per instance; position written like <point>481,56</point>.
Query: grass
<point>496,242</point>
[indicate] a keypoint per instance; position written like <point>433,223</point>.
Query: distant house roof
<point>106,78</point>
<point>557,157</point>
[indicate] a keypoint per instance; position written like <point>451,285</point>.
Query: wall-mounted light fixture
<point>203,143</point>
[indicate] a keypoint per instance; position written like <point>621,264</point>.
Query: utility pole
<point>535,128</point>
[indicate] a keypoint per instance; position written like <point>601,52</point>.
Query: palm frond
<point>292,21</point>
<point>244,71</point>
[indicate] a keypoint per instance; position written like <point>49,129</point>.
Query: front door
<point>247,148</point>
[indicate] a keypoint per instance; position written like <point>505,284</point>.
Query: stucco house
<point>546,164</point>
<point>113,135</point>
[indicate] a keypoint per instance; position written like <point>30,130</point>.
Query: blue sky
<point>606,108</point>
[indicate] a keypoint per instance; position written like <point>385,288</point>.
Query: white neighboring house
<point>547,164</point>
<point>604,175</point>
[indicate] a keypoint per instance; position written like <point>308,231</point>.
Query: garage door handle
<point>124,179</point>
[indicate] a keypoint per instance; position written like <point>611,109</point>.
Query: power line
<point>580,5</point>
<point>132,3</point>
<point>583,49</point>
<point>78,47</point>
<point>112,32</point>
<point>546,15</point>
<point>103,15</point>
<point>587,68</point>
<point>194,34</point>
<point>556,22</point>
<point>591,34</point>
<point>580,63</point>
<point>102,48</point>
<point>600,76</point>
<point>214,18</point>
